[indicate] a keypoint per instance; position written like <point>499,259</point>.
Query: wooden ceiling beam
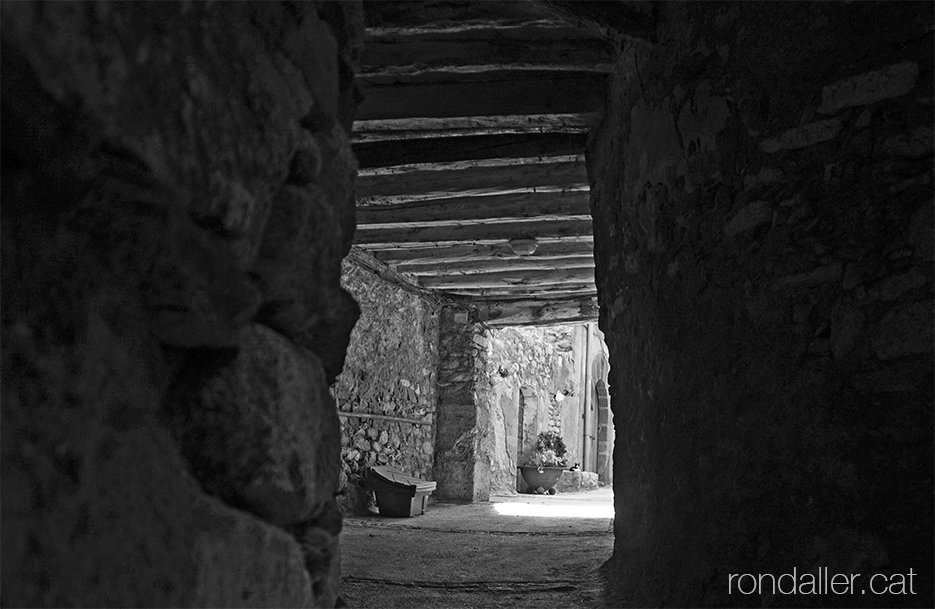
<point>385,153</point>
<point>520,205</point>
<point>461,126</point>
<point>447,14</point>
<point>423,181</point>
<point>424,254</point>
<point>624,21</point>
<point>511,278</point>
<point>537,312</point>
<point>490,233</point>
<point>383,271</point>
<point>439,94</point>
<point>471,267</point>
<point>542,293</point>
<point>537,44</point>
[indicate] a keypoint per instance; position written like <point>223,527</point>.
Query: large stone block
<point>98,508</point>
<point>262,431</point>
<point>242,561</point>
<point>869,87</point>
<point>299,267</point>
<point>313,49</point>
<point>905,330</point>
<point>193,89</point>
<point>750,408</point>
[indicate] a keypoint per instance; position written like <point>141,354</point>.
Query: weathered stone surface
<point>186,126</point>
<point>142,146</point>
<point>391,368</point>
<point>330,337</point>
<point>892,81</point>
<point>749,414</point>
<point>462,439</point>
<point>904,331</point>
<point>914,145</point>
<point>337,176</point>
<point>767,175</point>
<point>750,217</point>
<point>895,286</point>
<point>198,295</point>
<point>806,135</point>
<point>320,546</point>
<point>295,260</point>
<point>825,274</point>
<point>312,47</point>
<point>892,379</point>
<point>92,483</point>
<point>262,431</point>
<point>846,328</point>
<point>922,231</point>
<point>244,562</point>
<point>299,270</point>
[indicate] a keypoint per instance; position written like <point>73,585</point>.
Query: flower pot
<point>546,477</point>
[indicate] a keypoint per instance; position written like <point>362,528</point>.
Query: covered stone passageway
<point>251,249</point>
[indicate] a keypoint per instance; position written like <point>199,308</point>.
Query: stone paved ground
<point>514,551</point>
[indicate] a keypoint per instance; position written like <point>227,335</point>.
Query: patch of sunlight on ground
<point>555,511</point>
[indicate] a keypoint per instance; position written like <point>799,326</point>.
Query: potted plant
<point>542,466</point>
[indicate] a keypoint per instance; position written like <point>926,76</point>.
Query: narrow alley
<point>513,551</point>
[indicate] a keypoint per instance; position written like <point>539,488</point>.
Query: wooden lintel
<point>368,262</point>
<point>440,183</point>
<point>482,94</point>
<point>520,205</point>
<point>492,232</point>
<point>385,153</point>
<point>536,312</point>
<point>460,126</point>
<point>510,278</point>
<point>422,253</point>
<point>472,267</point>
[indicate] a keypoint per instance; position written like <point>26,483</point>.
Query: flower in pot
<point>543,465</point>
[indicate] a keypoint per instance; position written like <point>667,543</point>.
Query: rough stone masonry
<point>763,213</point>
<point>177,198</point>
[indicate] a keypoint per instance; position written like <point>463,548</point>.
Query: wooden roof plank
<point>443,149</point>
<point>469,267</point>
<point>517,205</point>
<point>544,293</point>
<point>421,253</point>
<point>439,182</point>
<point>461,126</point>
<point>475,233</point>
<point>482,94</point>
<point>509,278</point>
<point>530,44</point>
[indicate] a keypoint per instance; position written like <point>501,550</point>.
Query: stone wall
<point>390,370</point>
<point>177,198</point>
<point>762,190</point>
<point>462,434</point>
